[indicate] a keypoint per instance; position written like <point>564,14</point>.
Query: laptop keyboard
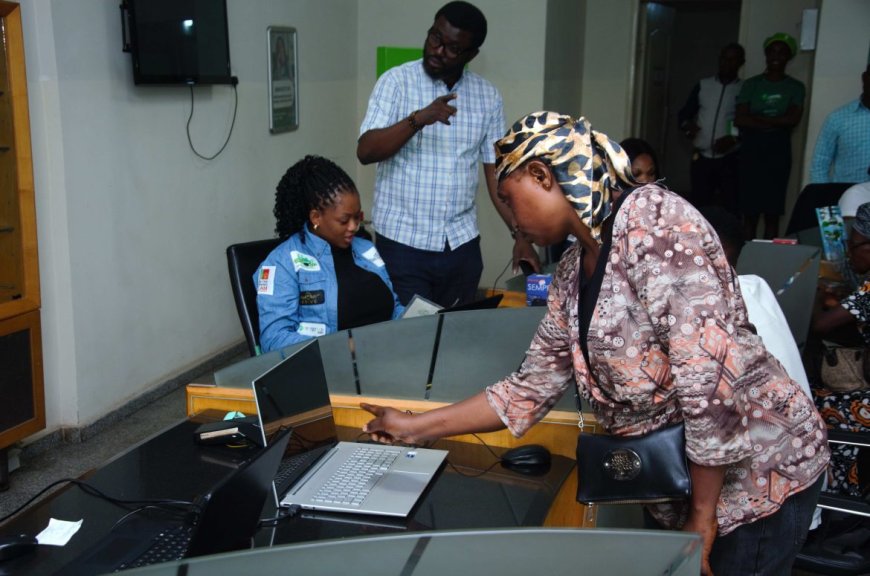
<point>169,545</point>
<point>290,468</point>
<point>353,481</point>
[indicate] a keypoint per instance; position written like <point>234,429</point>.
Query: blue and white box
<point>537,286</point>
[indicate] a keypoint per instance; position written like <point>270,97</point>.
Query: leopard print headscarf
<point>587,164</point>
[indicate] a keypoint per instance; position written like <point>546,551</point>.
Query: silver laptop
<point>318,471</point>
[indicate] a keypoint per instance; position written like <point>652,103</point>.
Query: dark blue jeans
<point>766,547</point>
<point>769,545</point>
<point>447,278</point>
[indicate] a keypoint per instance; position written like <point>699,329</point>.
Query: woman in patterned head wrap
<point>646,319</point>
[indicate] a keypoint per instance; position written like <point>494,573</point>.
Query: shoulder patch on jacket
<point>304,262</point>
<point>266,280</point>
<point>374,257</point>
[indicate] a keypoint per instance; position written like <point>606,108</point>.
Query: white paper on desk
<point>58,532</point>
<point>419,306</point>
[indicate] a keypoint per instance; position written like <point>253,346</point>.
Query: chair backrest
<point>813,196</point>
<point>243,260</point>
<point>792,272</point>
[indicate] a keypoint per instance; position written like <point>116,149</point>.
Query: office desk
<point>171,466</point>
<point>557,431</point>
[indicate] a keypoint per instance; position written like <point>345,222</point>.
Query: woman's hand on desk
<point>471,415</point>
<point>390,425</point>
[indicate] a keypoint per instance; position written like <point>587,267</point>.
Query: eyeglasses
<point>436,41</point>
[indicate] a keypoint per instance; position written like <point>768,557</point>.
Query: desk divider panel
<point>393,358</point>
<point>482,551</point>
<point>479,348</point>
<point>337,363</point>
<point>792,272</point>
<point>242,373</point>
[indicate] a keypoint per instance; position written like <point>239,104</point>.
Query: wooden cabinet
<point>21,383</point>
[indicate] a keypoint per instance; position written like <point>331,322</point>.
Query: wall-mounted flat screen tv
<point>178,41</point>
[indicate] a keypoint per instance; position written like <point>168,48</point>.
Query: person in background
<point>644,163</point>
<point>842,152</point>
<point>707,118</point>
<point>645,319</point>
<point>853,198</point>
<point>769,106</point>
<point>323,278</point>
<point>429,125</point>
<point>832,313</point>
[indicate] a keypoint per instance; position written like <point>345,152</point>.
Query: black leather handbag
<point>633,469</point>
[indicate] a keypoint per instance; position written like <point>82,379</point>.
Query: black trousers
<point>715,181</point>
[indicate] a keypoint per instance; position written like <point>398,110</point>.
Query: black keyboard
<point>168,546</point>
<point>291,468</point>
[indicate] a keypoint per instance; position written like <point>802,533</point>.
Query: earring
<point>316,226</point>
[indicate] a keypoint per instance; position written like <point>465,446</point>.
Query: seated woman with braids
<point>323,278</point>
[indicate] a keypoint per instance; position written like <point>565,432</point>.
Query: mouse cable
<point>290,512</point>
<point>476,474</point>
<point>500,274</point>
<point>232,125</point>
<point>92,491</point>
<point>487,446</point>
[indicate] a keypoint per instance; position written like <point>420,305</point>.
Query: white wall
<point>841,57</point>
<point>563,74</point>
<point>132,226</point>
<point>512,58</point>
<point>609,34</point>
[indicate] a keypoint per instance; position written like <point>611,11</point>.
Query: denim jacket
<point>297,290</point>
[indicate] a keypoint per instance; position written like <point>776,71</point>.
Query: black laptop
<point>228,516</point>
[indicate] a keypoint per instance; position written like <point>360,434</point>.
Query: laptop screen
<point>294,394</point>
<point>231,511</point>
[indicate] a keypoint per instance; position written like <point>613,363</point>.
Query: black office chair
<point>243,260</point>
<point>813,196</point>
<point>841,543</point>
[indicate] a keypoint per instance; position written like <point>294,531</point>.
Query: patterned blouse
<point>669,340</point>
<point>858,304</point>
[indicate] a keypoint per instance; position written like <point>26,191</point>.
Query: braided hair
<point>313,183</point>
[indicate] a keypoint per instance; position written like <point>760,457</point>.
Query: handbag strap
<point>588,294</point>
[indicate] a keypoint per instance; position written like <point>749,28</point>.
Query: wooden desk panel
<point>557,431</point>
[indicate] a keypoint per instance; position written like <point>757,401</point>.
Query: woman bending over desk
<point>646,316</point>
<point>323,278</point>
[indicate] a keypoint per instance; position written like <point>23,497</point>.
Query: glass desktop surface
<point>171,465</point>
<point>511,551</point>
<point>472,490</point>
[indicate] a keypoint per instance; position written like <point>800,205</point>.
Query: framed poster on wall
<point>283,81</point>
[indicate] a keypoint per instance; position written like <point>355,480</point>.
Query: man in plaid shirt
<point>842,152</point>
<point>428,125</point>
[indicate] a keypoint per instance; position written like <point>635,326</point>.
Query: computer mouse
<point>529,458</point>
<point>14,546</point>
